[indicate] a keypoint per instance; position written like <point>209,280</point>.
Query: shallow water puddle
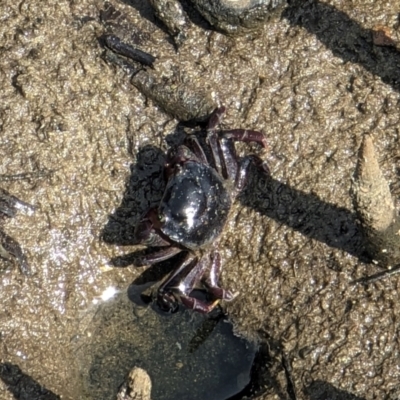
<point>187,355</point>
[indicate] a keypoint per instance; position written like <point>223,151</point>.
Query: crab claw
<point>198,305</point>
<point>146,231</point>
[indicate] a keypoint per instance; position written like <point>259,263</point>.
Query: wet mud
<point>200,351</point>
<point>315,81</point>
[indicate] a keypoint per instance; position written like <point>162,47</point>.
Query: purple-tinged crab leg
<point>167,285</point>
<point>146,231</point>
<point>193,143</point>
<point>213,142</point>
<point>198,305</point>
<point>157,256</point>
<point>213,278</point>
<point>247,136</point>
<point>229,159</point>
<point>190,281</point>
<point>212,136</point>
<point>194,276</point>
<point>184,287</point>
<point>216,118</point>
<point>242,173</point>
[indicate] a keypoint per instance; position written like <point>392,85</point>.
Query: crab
<point>201,184</point>
<point>9,248</point>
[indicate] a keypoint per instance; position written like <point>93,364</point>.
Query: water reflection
<point>187,355</point>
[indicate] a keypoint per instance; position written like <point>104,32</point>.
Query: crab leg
<point>198,305</point>
<point>165,295</point>
<point>229,158</point>
<point>189,282</point>
<point>247,136</point>
<point>157,256</point>
<point>216,118</point>
<point>212,136</point>
<point>182,288</point>
<point>195,146</point>
<point>242,173</point>
<point>213,278</point>
<point>238,171</point>
<point>168,284</point>
<point>146,231</point>
<point>145,259</point>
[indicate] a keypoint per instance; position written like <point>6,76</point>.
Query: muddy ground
<point>312,80</point>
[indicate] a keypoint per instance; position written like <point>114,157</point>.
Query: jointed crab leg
<point>215,118</point>
<point>180,287</point>
<point>230,162</point>
<point>212,136</point>
<point>242,173</point>
<point>213,278</point>
<point>224,153</point>
<point>168,284</point>
<point>165,295</point>
<point>194,144</point>
<point>160,255</point>
<point>198,305</point>
<point>246,136</point>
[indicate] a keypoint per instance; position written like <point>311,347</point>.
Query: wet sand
<point>312,81</point>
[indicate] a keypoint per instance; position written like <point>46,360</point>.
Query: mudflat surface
<point>312,81</point>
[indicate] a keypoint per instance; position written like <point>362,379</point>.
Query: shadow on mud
<point>320,390</point>
<point>22,386</point>
<point>346,38</point>
<point>146,11</point>
<point>144,190</point>
<point>306,213</point>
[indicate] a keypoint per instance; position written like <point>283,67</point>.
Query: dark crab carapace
<point>193,211</point>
